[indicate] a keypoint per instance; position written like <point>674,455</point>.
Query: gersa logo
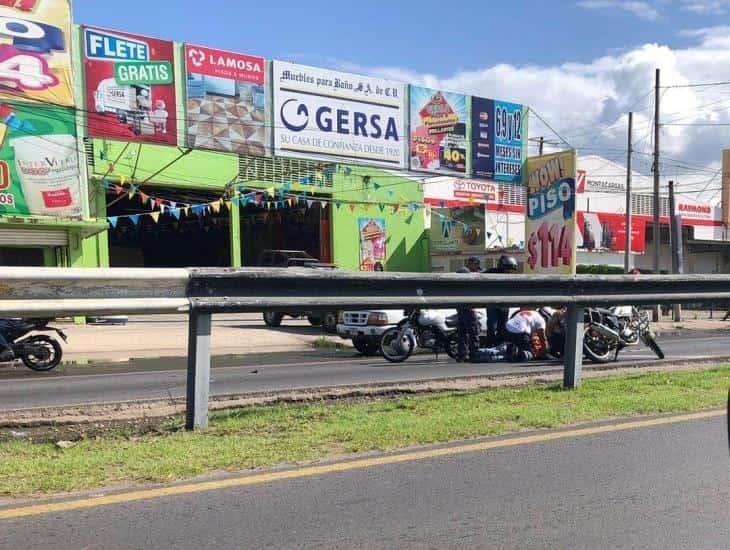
<point>104,46</point>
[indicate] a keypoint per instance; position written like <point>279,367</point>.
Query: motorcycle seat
<point>452,321</point>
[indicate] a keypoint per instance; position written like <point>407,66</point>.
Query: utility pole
<point>542,142</point>
<point>657,199</point>
<point>627,250</point>
<point>675,238</point>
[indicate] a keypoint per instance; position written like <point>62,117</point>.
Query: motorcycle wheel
<point>47,356</point>
<point>394,350</point>
<point>452,348</point>
<point>596,354</point>
<point>273,319</point>
<point>649,339</point>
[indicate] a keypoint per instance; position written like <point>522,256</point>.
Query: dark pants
<point>520,346</point>
<point>5,326</point>
<point>496,321</point>
<point>468,334</point>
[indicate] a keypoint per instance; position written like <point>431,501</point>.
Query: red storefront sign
<point>223,64</point>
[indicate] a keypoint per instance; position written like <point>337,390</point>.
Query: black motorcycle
<point>38,352</point>
<point>424,329</point>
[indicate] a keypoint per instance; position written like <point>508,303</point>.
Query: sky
<point>581,65</point>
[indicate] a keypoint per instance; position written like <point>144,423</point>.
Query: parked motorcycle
<point>608,331</point>
<point>426,329</point>
<point>38,352</point>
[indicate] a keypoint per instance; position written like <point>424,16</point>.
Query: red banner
<point>130,88</point>
<point>598,231</point>
<point>222,64</point>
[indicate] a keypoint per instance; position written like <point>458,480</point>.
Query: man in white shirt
<point>522,328</point>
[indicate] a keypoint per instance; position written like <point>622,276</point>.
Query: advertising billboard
<point>130,87</point>
<point>550,225</point>
<point>226,101</point>
<point>439,131</point>
<point>39,163</point>
<point>35,51</point>
<point>602,232</point>
<point>458,230</point>
<point>372,244</point>
<point>320,113</point>
<point>482,132</point>
<point>509,132</point>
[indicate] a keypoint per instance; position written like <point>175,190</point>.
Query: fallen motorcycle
<point>426,329</point>
<point>607,331</point>
<point>39,352</point>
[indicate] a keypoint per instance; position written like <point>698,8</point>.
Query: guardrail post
<point>198,388</point>
<point>573,347</point>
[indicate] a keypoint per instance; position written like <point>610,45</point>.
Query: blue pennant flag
<point>135,219</point>
<point>175,212</point>
<point>390,194</point>
<point>105,184</point>
<point>198,209</point>
<point>376,185</point>
<point>113,221</point>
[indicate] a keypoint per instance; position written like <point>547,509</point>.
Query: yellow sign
<point>551,214</point>
<point>35,51</point>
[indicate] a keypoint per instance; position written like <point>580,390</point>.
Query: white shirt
<point>526,322</point>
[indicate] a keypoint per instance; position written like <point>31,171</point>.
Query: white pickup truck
<point>365,328</point>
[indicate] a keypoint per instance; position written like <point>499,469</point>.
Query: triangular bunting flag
<point>376,185</point>
<point>173,205</point>
<point>155,216</point>
<point>322,205</point>
<point>122,180</point>
<point>390,194</point>
<point>338,205</point>
<point>153,203</point>
<point>131,194</point>
<point>366,207</point>
<point>382,207</point>
<point>144,197</point>
<point>229,205</point>
<point>215,206</point>
<point>352,207</point>
<point>135,219</point>
<point>113,221</point>
<point>396,207</point>
<point>162,208</point>
<point>105,184</point>
<point>309,203</point>
<point>118,189</point>
<point>187,210</point>
<point>175,212</point>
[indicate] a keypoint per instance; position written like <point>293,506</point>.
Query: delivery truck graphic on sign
<point>130,103</point>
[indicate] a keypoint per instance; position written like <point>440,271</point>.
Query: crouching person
<point>525,335</point>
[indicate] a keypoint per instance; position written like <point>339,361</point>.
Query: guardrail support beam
<point>198,388</point>
<point>573,347</point>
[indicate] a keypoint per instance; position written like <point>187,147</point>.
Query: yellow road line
<point>309,471</point>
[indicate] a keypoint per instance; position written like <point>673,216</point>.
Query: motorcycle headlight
<point>378,319</point>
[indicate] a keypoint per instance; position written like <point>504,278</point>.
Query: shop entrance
<point>193,240</point>
<point>306,229</point>
<point>24,257</point>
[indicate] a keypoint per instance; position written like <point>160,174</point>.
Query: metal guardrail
<point>203,292</point>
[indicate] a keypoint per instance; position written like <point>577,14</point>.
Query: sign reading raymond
<point>130,88</point>
<point>439,129</point>
<point>551,214</point>
<point>226,101</point>
<point>35,51</point>
<point>319,113</point>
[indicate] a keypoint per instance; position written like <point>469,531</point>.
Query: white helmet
<point>546,312</point>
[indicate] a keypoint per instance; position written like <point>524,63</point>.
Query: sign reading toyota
<point>319,113</point>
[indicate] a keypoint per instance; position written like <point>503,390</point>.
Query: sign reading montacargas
<point>319,113</point>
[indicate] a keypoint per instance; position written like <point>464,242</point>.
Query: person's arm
<point>543,340</point>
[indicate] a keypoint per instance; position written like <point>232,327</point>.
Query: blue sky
<point>580,64</point>
<point>425,36</point>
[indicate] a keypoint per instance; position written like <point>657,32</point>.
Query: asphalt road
<point>652,487</point>
<point>165,378</point>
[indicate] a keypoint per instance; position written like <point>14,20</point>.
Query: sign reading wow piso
<point>319,113</point>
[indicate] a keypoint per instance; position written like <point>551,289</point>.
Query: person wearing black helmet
<point>497,316</point>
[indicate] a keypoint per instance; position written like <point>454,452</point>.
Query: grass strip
<point>265,436</point>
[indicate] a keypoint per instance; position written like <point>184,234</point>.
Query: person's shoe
<point>6,356</point>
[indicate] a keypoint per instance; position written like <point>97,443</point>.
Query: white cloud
<point>707,7</point>
<point>644,10</point>
<point>587,103</point>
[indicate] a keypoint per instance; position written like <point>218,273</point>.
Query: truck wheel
<point>329,322</point>
<point>366,346</point>
<point>273,319</point>
<point>314,320</point>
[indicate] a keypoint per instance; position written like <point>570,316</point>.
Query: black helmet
<point>507,263</point>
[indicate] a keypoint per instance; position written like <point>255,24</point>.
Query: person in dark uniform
<point>468,349</point>
<point>497,316</point>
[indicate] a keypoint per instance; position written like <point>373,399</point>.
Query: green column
<point>235,234</point>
